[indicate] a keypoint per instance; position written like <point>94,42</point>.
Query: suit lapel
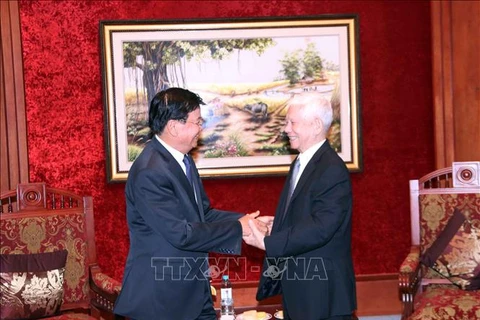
<point>311,165</point>
<point>173,166</point>
<point>306,175</point>
<point>280,214</point>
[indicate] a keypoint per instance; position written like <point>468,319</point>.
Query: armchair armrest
<point>408,279</point>
<point>411,262</point>
<point>104,291</point>
<point>106,283</point>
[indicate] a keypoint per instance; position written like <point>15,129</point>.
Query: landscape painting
<point>246,72</point>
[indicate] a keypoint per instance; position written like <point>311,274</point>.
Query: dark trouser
<point>286,316</point>
<point>348,317</point>
<point>208,312</point>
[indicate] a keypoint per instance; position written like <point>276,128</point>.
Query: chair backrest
<point>434,197</point>
<point>36,219</point>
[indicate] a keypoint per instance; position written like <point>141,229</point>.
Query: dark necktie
<point>189,174</point>
<point>188,168</point>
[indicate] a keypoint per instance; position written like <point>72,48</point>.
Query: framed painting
<point>246,71</point>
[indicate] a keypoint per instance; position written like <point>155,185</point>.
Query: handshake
<point>255,228</point>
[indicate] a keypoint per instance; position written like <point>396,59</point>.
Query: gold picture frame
<point>245,70</point>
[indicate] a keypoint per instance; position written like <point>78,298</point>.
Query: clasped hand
<point>255,228</point>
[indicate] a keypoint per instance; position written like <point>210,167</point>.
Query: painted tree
<point>163,62</point>
<point>291,66</point>
<point>312,62</point>
<point>302,64</point>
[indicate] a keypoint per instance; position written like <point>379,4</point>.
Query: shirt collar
<point>306,156</point>
<point>174,152</point>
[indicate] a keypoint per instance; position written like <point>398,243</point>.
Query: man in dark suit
<point>308,253</point>
<point>171,224</point>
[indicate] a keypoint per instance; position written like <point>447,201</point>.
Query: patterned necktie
<point>188,168</point>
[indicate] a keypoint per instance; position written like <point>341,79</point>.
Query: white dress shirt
<point>305,158</point>
<point>175,153</point>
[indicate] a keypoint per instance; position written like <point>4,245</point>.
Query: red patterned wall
<point>66,119</point>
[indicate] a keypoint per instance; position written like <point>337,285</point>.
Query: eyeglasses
<point>200,122</point>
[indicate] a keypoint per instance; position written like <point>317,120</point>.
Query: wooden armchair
<point>444,207</point>
<point>38,221</point>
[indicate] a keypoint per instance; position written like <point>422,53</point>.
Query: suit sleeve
<point>163,206</point>
<point>211,214</point>
<point>325,206</point>
<point>215,215</point>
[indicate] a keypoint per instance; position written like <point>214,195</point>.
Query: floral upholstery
<point>106,283</point>
<point>31,285</point>
<point>456,253</point>
<point>442,301</point>
<point>436,210</point>
<point>50,233</point>
<point>443,258</point>
<point>411,261</point>
<point>35,219</point>
<point>446,302</point>
<point>72,316</point>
